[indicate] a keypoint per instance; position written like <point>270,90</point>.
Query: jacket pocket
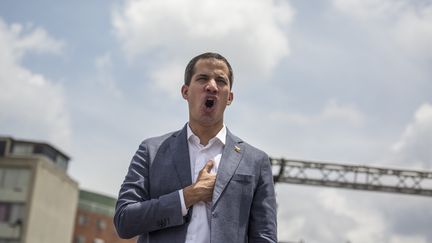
<point>243,178</point>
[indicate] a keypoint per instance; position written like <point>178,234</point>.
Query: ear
<point>230,98</point>
<point>184,91</point>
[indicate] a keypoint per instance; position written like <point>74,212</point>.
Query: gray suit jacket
<point>243,205</point>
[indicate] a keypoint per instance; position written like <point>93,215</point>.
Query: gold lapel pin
<point>237,149</point>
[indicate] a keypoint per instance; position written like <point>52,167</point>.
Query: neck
<point>205,133</point>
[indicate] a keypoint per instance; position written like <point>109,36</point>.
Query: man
<point>200,184</point>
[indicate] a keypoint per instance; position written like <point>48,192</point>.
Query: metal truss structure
<point>358,177</point>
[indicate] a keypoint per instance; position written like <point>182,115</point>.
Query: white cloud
<point>292,226</point>
<point>332,112</point>
<point>368,226</point>
<point>21,39</point>
<point>31,106</point>
<point>414,147</point>
<point>252,34</point>
<point>413,31</point>
<point>104,61</point>
<point>410,239</point>
<point>364,9</point>
<point>404,23</point>
<point>167,76</point>
<point>105,77</point>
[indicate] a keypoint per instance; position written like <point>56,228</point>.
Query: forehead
<point>211,66</point>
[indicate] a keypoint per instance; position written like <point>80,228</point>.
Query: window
<point>2,148</point>
<point>79,239</point>
<point>82,219</point>
<point>22,149</point>
<point>11,213</point>
<point>45,150</point>
<point>101,224</point>
<point>62,162</point>
<point>4,212</point>
<point>14,179</point>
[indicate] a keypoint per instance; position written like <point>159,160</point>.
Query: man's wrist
<point>189,197</point>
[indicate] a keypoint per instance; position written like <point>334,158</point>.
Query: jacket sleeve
<point>263,218</point>
<point>136,213</point>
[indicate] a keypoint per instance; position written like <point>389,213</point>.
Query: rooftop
<point>10,146</point>
<point>97,203</point>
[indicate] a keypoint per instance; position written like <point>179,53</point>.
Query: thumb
<point>208,166</point>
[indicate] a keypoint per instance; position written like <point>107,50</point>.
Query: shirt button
<point>214,215</point>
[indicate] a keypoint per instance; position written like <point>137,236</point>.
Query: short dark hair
<point>190,68</point>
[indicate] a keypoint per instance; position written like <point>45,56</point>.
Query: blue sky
<point>336,80</point>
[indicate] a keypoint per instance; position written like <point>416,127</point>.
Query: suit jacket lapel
<point>181,157</point>
<point>229,162</point>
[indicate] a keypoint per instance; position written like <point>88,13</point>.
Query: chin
<point>208,121</point>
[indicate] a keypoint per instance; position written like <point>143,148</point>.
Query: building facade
<point>94,219</point>
<point>38,200</point>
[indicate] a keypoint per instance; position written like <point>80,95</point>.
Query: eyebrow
<point>202,75</point>
<point>221,76</point>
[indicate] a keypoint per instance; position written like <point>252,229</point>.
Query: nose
<point>211,87</point>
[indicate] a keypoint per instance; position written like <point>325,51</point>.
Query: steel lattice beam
<point>358,177</point>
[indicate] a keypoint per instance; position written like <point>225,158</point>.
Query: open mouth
<point>209,103</point>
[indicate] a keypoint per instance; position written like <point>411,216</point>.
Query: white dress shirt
<point>199,227</point>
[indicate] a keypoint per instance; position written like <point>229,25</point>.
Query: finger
<point>208,166</point>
